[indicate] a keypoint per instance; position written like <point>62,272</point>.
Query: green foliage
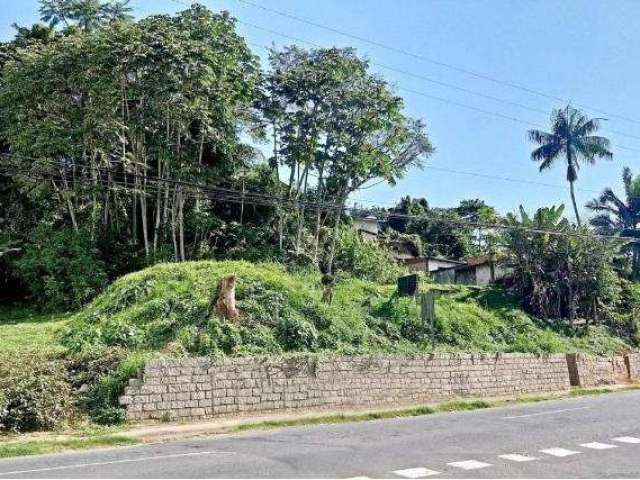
<point>101,398</point>
<point>364,259</point>
<point>296,333</point>
<point>87,14</point>
<point>569,275</point>
<point>169,307</point>
<point>442,231</point>
<point>571,139</point>
<point>61,268</point>
<point>34,394</point>
<point>621,216</point>
<point>625,321</point>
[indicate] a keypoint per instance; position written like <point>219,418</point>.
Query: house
<point>431,264</point>
<point>475,271</point>
<point>403,250</point>
<point>367,227</point>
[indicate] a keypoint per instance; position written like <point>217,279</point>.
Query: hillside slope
<point>168,308</point>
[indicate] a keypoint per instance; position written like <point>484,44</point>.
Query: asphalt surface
<point>576,438</point>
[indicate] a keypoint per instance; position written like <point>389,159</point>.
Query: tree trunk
<point>156,226</point>
<point>573,200</point>
<point>336,229</point>
<point>316,236</point>
<point>69,203</point>
<point>200,154</point>
<point>301,211</point>
<point>226,303</point>
<point>174,219</point>
<point>181,224</point>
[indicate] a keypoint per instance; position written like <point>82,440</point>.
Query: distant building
<point>475,271</point>
<point>431,264</point>
<point>367,227</point>
<point>403,250</point>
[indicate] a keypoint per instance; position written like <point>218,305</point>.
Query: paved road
<point>582,437</point>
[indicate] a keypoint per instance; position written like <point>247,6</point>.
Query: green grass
<point>38,447</point>
<point>168,308</point>
<point>23,330</point>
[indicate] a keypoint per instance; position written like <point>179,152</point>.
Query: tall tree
<point>138,108</point>
<point>86,14</point>
<point>620,216</point>
<point>332,117</point>
<point>571,138</point>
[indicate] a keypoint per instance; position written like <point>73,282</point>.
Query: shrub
<point>561,276</point>
<point>86,368</point>
<point>364,259</point>
<point>296,333</point>
<point>34,394</point>
<point>61,268</point>
<point>101,401</point>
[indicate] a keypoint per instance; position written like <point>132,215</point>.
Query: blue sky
<point>582,51</point>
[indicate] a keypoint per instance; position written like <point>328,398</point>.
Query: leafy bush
<point>296,333</point>
<point>364,259</point>
<point>561,276</point>
<point>101,399</point>
<point>169,308</point>
<point>61,268</point>
<point>626,319</point>
<point>34,394</point>
<point>86,368</point>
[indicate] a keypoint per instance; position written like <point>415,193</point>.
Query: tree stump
<point>328,282</point>
<point>226,303</point>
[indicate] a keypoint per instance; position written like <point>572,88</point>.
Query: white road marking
<point>559,452</point>
<point>598,446</point>
<point>113,462</point>
<point>546,412</point>
<point>415,472</point>
<point>357,478</point>
<point>469,464</point>
<point>516,457</point>
<point>626,439</point>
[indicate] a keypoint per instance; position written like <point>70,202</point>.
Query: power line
<point>471,107</point>
<point>267,199</point>
<point>435,97</point>
<point>425,78</point>
<point>416,56</point>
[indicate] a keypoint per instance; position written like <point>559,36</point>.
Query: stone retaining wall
<point>193,388</point>
<point>589,371</point>
<point>633,366</point>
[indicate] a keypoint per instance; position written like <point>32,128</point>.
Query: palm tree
<point>570,138</point>
<point>620,216</point>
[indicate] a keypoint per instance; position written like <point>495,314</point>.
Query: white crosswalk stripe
<point>418,472</point>
<point>469,465</point>
<point>422,472</point>
<point>516,457</point>
<point>626,439</point>
<point>559,452</point>
<point>598,446</point>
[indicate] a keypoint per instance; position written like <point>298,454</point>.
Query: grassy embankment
<point>167,310</point>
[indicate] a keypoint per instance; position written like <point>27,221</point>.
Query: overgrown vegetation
<point>126,144</point>
<point>33,395</point>
<point>168,308</point>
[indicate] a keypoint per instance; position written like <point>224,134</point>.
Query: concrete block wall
<point>194,388</point>
<point>633,366</point>
<point>590,371</point>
